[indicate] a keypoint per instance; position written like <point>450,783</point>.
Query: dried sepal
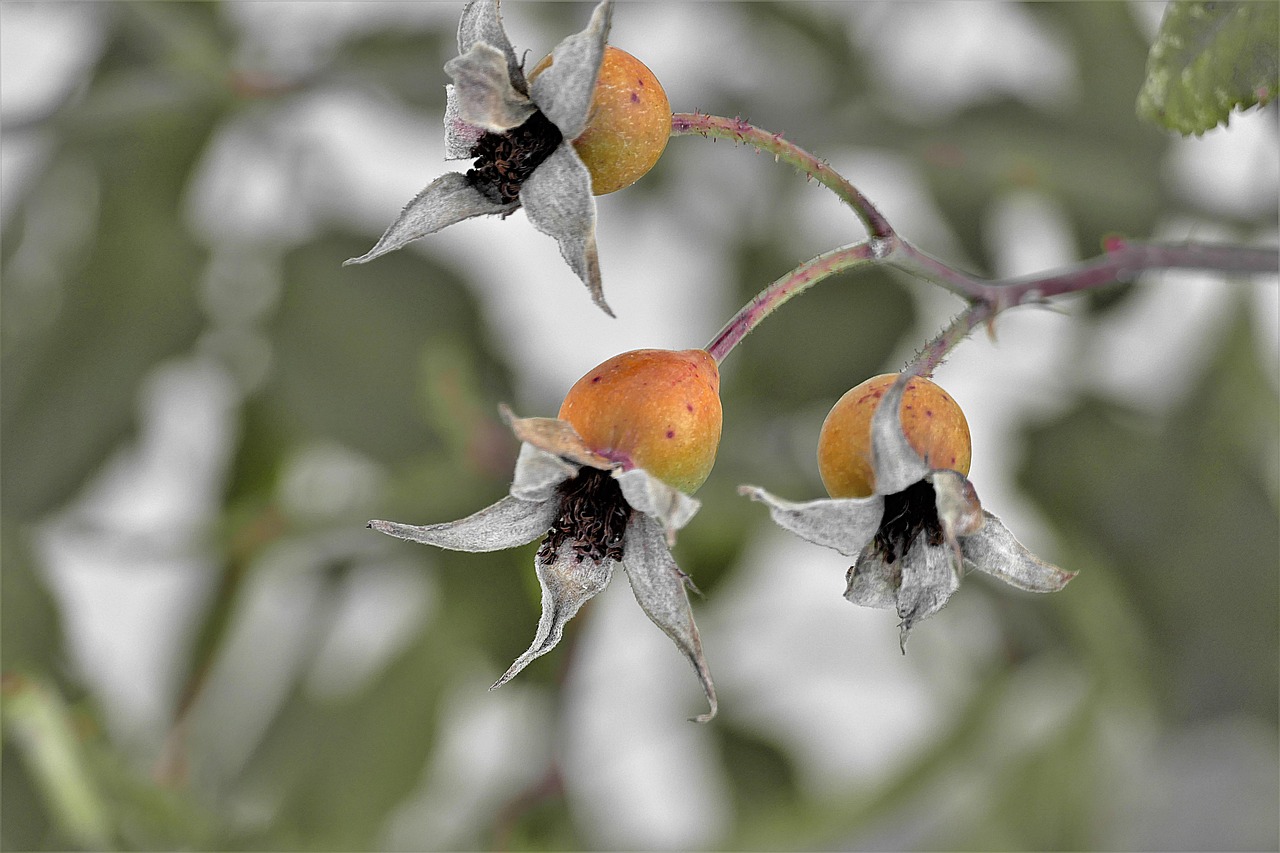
<point>563,90</point>
<point>484,96</point>
<point>556,437</point>
<point>481,22</point>
<point>995,551</point>
<point>844,524</point>
<point>895,461</point>
<point>959,511</point>
<point>928,581</point>
<point>672,508</point>
<point>447,200</point>
<point>538,474</point>
<point>659,587</point>
<point>869,583</point>
<point>568,581</point>
<point>509,523</point>
<point>460,138</point>
<point>558,201</point>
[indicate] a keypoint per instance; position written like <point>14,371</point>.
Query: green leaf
<point>1208,59</point>
<point>40,725</point>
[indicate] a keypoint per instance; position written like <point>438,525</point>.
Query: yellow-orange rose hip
<point>653,409</point>
<point>629,123</point>
<point>932,421</point>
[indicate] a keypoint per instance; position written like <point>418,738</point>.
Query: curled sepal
<point>459,137</point>
<point>568,581</point>
<point>563,89</point>
<point>446,200</point>
<point>928,581</point>
<point>959,511</point>
<point>557,199</point>
<point>896,463</point>
<point>994,550</point>
<point>481,22</point>
<point>868,584</point>
<point>556,437</point>
<point>672,508</point>
<point>538,473</point>
<point>484,96</point>
<point>844,524</point>
<point>659,587</point>
<point>509,523</point>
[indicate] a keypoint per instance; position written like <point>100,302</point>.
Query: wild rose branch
<point>607,483</point>
<point>1123,260</point>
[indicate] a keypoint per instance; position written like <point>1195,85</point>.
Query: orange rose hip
<point>653,409</point>
<point>932,421</point>
<point>628,125</point>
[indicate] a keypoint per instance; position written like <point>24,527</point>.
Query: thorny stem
<point>738,130</point>
<point>1122,261</point>
<point>792,284</point>
<point>935,352</point>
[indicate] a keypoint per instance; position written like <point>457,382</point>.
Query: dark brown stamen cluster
<point>908,514</point>
<point>504,161</point>
<point>593,516</point>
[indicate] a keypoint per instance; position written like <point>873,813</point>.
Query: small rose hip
<point>932,421</point>
<point>653,409</point>
<point>606,484</point>
<point>629,123</point>
<point>894,454</point>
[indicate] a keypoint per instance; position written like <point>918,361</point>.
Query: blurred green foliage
<point>1171,517</point>
<point>1208,60</point>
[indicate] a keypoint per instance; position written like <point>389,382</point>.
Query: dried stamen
<point>593,517</point>
<point>504,161</point>
<point>907,515</point>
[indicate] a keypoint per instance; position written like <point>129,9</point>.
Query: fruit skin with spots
<point>629,124</point>
<point>653,409</point>
<point>932,421</point>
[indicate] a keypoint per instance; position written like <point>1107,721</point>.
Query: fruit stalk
<point>718,127</point>
<point>792,284</point>
<point>935,352</point>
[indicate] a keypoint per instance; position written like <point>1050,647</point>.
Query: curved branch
<point>737,130</point>
<point>792,284</point>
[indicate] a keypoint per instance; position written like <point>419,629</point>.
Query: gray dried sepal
<point>994,550</point>
<point>538,473</point>
<point>459,137</point>
<point>563,90</point>
<point>959,511</point>
<point>896,463</point>
<point>446,200</point>
<point>869,585</point>
<point>928,581</point>
<point>557,199</point>
<point>567,584</point>
<point>917,584</point>
<point>484,96</point>
<point>509,523</point>
<point>672,508</point>
<point>844,524</point>
<point>659,587</point>
<point>482,23</point>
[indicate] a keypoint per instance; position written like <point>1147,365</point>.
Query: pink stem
<point>792,284</point>
<point>687,124</point>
